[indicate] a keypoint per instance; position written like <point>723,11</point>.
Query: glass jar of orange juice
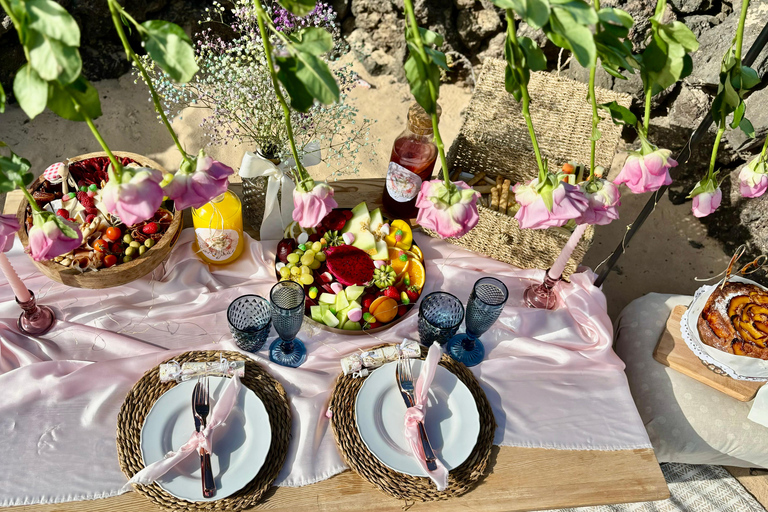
<point>219,229</point>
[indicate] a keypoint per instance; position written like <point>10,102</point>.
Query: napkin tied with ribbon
<point>197,441</point>
<point>277,216</point>
<point>414,415</point>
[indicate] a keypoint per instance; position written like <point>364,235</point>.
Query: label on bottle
<point>217,244</point>
<point>402,184</point>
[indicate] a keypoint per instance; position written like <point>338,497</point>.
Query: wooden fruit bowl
<point>112,276</point>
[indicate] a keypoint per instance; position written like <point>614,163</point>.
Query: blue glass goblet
<point>250,318</point>
<point>440,315</point>
<point>483,309</point>
<point>287,299</point>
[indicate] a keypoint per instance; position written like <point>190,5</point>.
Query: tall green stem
<point>7,8</point>
<point>595,117</point>
<point>740,30</point>
<point>647,116</point>
<point>713,158</point>
<point>414,26</point>
<point>526,99</point>
<point>765,145</point>
<point>261,15</point>
<point>116,10</point>
<point>117,166</point>
<point>31,200</point>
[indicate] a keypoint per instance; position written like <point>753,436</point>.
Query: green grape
<point>306,279</point>
<point>314,265</point>
<point>290,265</point>
<point>293,258</point>
<point>285,272</point>
<point>320,256</point>
<point>309,253</point>
<point>317,247</point>
<point>295,271</point>
<point>306,260</point>
<point>305,270</point>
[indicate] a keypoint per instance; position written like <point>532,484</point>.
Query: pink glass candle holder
<point>35,320</point>
<point>542,296</point>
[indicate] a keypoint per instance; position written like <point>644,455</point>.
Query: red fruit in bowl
<point>349,265</point>
<point>61,212</point>
<point>150,228</point>
<point>367,300</point>
<point>285,247</point>
<point>334,221</point>
<point>401,310</point>
<point>413,293</point>
<point>314,237</point>
<point>392,293</point>
<point>347,214</point>
<point>374,325</point>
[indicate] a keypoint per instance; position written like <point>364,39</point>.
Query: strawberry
<point>61,212</point>
<point>413,293</point>
<point>149,228</point>
<point>374,325</point>
<point>367,300</point>
<point>392,293</point>
<point>401,310</point>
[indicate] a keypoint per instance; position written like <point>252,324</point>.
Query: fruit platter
<point>360,271</point>
<point>112,253</point>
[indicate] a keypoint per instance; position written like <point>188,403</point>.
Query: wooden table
<point>520,479</point>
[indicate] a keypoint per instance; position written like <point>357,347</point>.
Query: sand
<point>666,256</point>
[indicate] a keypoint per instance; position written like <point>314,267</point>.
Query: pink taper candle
<point>17,285</point>
<point>557,268</point>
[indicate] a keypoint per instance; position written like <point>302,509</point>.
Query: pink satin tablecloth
<point>551,376</point>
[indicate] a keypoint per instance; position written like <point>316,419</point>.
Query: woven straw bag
<point>494,139</point>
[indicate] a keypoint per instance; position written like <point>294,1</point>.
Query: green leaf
<point>170,48</point>
<point>747,128</point>
<point>298,7</point>
<point>419,73</point>
<point>738,114</point>
<point>596,134</point>
<point>577,38</point>
<point>31,91</point>
<point>2,99</point>
<point>615,16</point>
<point>301,98</point>
<point>512,84</point>
<point>619,114</point>
<point>52,59</point>
<point>582,12</point>
<point>61,100</point>
<point>677,32</point>
<point>430,38</point>
<point>749,77</point>
<point>731,97</point>
<point>49,18</point>
<point>534,57</point>
<point>65,228</point>
<point>437,57</point>
<point>314,40</point>
<point>316,77</point>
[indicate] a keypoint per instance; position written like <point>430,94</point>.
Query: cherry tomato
<point>116,247</point>
<point>101,245</point>
<point>110,260</point>
<point>113,234</point>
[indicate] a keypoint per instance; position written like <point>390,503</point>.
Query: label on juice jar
<point>402,184</point>
<point>217,244</point>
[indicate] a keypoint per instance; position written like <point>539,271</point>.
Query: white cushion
<point>687,421</point>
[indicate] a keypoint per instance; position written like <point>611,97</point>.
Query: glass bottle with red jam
<point>413,159</point>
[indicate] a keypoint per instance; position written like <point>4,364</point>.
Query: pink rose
<point>9,225</point>
<point>604,200</point>
<point>137,198</point>
<point>195,188</point>
<point>549,205</point>
<point>706,196</point>
<point>645,173</point>
<point>753,178</point>
<point>450,212</point>
<point>51,236</point>
<point>309,208</point>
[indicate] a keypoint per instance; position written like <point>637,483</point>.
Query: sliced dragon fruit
<point>349,265</point>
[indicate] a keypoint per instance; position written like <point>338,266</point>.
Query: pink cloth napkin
<point>415,415</point>
<point>197,441</point>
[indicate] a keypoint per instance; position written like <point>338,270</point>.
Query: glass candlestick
<point>542,296</point>
<point>35,320</point>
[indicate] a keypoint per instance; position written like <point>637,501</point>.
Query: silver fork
<point>201,407</point>
<point>405,383</point>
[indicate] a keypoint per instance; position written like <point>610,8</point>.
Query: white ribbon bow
<point>277,217</point>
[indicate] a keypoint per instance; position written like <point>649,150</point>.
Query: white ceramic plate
<point>240,445</point>
<point>451,419</point>
<point>738,367</point>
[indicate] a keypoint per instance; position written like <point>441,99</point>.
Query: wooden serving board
<point>672,351</point>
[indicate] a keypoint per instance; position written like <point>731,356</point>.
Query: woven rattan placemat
<point>149,388</point>
<point>460,480</point>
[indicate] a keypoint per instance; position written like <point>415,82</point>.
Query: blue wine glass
<point>250,318</point>
<point>483,309</point>
<point>287,299</point>
<point>440,315</point>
